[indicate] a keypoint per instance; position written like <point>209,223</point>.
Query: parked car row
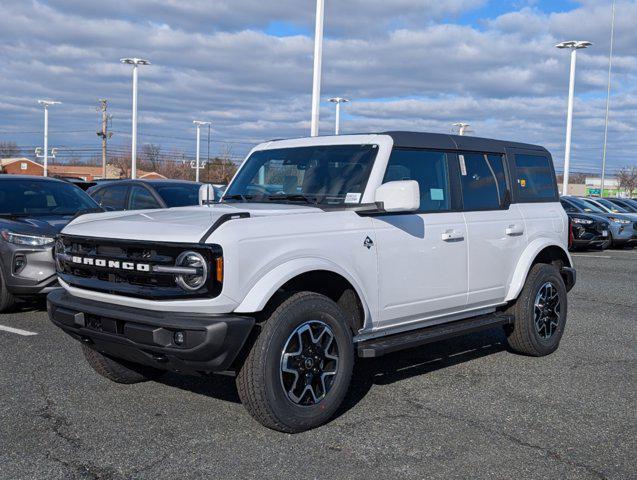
<point>601,222</point>
<point>33,210</point>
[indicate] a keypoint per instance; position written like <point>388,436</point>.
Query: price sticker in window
<point>463,166</point>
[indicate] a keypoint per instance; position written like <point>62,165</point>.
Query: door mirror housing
<point>402,196</point>
<point>206,194</point>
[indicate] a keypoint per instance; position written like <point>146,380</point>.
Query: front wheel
<point>540,313</point>
<point>299,369</point>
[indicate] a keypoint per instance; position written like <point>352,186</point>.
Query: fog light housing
<point>179,338</point>
<point>19,262</point>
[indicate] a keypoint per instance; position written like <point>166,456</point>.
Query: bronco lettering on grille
<point>114,264</point>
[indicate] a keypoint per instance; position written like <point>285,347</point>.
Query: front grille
<point>125,267</point>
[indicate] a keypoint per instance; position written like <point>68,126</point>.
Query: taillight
<point>570,233</point>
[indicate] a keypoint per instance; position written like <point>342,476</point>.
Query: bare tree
<point>9,149</point>
<point>627,179</point>
<point>151,154</point>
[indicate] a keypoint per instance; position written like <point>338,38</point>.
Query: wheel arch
<point>539,251</point>
<point>316,275</point>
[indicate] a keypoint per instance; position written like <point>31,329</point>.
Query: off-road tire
<point>522,336</point>
<point>259,378</point>
<point>7,300</point>
<point>119,371</point>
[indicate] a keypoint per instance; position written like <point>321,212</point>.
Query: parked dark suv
<point>145,194</point>
<point>33,210</point>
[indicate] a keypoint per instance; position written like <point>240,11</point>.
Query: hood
<point>184,224</point>
<point>45,225</point>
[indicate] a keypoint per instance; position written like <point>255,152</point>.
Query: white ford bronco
<point>322,249</point>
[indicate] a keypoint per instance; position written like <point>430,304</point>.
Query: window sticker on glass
<point>437,194</point>
<point>463,166</point>
<point>352,197</point>
<point>523,182</point>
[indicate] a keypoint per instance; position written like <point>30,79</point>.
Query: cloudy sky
<point>246,65</point>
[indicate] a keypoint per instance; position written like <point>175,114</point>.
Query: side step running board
<point>378,347</point>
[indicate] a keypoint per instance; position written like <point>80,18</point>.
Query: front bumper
<point>212,342</point>
<point>36,276</point>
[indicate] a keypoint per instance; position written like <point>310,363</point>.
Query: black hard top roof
<point>455,142</point>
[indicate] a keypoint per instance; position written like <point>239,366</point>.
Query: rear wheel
<point>299,369</point>
<point>119,371</point>
<point>6,298</point>
<point>540,313</point>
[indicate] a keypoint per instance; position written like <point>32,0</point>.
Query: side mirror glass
<point>206,194</point>
<point>402,196</point>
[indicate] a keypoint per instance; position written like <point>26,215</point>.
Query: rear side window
<point>484,185</point>
<point>568,207</point>
<point>114,198</point>
<point>429,169</point>
<point>535,179</point>
<point>141,199</point>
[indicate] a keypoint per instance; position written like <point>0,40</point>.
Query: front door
<point>422,257</point>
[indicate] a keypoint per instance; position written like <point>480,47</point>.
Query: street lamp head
<point>574,44</point>
<point>46,103</point>
<point>201,122</point>
<point>338,100</point>
<point>135,61</point>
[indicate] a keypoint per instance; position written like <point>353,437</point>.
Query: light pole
<point>574,45</point>
<point>610,67</point>
<point>338,101</point>
<point>462,127</point>
<point>135,62</point>
<point>318,57</point>
<point>46,104</point>
<point>198,124</point>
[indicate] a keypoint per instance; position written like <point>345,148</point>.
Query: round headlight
<point>192,281</point>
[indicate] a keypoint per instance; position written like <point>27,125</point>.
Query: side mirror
<point>206,194</point>
<point>403,196</point>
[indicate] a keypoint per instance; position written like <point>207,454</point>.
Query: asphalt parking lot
<point>466,408</point>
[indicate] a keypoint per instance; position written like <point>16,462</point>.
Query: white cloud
<point>401,64</point>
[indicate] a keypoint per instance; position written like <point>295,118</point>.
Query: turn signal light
<point>219,269</point>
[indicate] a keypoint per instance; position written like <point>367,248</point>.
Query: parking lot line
<point>17,331</point>
<point>591,256</point>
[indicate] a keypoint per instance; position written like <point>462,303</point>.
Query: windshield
<point>175,195</point>
<point>38,197</point>
<point>587,206</point>
<point>611,206</point>
<point>333,174</point>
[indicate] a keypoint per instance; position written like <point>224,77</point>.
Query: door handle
<point>451,235</point>
<point>514,230</point>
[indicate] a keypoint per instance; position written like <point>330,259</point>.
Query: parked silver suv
<point>33,211</point>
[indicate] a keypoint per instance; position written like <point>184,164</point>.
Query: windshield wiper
<point>238,196</point>
<point>293,197</point>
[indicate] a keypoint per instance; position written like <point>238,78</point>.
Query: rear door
<point>495,227</point>
<point>422,256</point>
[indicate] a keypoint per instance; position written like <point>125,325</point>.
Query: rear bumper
<point>211,342</point>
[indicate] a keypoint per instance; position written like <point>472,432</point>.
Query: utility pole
<point>610,67</point>
<point>318,59</point>
<point>104,133</point>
